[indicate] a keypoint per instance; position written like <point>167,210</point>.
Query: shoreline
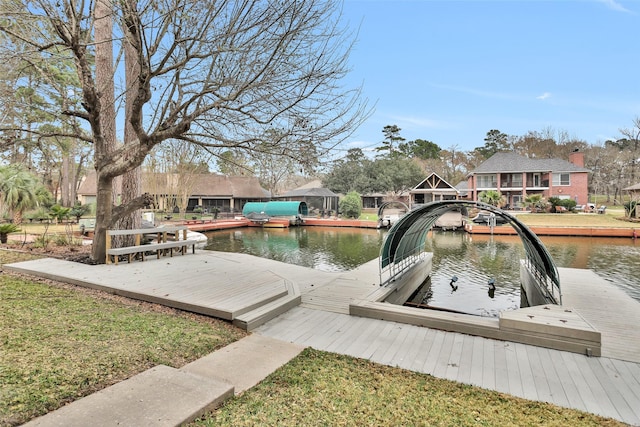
<point>577,231</point>
<point>540,230</point>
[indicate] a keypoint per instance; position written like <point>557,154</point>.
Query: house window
<point>487,181</point>
<point>561,179</point>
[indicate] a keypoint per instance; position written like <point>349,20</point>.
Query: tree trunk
<point>130,180</point>
<point>106,94</point>
<point>64,180</point>
<point>104,209</point>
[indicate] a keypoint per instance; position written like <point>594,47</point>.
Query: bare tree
<point>453,162</point>
<point>213,73</point>
<point>184,164</point>
<point>632,136</point>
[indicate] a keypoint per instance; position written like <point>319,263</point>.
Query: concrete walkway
<point>166,396</point>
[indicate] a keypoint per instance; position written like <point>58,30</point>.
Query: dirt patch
<point>75,253</point>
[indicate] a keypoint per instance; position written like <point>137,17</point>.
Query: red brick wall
<point>577,158</point>
<point>578,187</point>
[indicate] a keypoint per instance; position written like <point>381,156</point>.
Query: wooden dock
<point>625,232</point>
<point>240,287</point>
<point>607,308</point>
<point>600,385</point>
<point>208,283</point>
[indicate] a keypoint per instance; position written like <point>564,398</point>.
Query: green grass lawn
<point>324,389</point>
<point>614,219</point>
<point>60,342</point>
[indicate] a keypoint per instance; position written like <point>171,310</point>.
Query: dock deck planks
<point>607,385</point>
<point>599,385</point>
<point>607,308</point>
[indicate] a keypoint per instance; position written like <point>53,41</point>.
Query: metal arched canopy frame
<point>407,238</point>
<point>387,204</point>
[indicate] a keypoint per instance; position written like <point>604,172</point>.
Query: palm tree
<point>535,202</point>
<point>491,197</point>
<point>20,191</point>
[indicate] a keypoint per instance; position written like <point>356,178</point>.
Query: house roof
<point>462,185</point>
<point>205,185</point>
<point>309,192</point>
<point>511,162</point>
<point>635,187</point>
<point>434,183</point>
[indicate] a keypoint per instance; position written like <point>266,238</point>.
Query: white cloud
<point>545,95</point>
<point>614,5</point>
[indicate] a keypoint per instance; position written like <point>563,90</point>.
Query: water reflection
<point>321,248</point>
<point>474,259</point>
<point>487,271</point>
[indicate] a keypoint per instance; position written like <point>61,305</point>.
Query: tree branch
<point>121,211</point>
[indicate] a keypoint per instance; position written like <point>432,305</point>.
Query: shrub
<point>569,204</point>
<point>351,205</point>
<point>42,241</point>
<point>61,240</point>
<point>58,213</point>
<point>491,197</point>
<point>79,209</point>
<point>5,230</point>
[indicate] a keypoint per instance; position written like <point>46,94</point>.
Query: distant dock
<point>556,231</point>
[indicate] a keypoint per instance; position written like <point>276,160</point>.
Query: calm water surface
<point>473,259</point>
<point>321,248</point>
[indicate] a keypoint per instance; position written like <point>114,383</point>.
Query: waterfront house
<point>516,177</point>
<point>434,188</point>
<point>227,194</point>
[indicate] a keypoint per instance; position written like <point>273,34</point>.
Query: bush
<point>42,241</point>
<point>79,209</point>
<point>569,204</point>
<point>351,205</point>
<point>58,213</point>
<point>61,240</point>
<point>5,230</point>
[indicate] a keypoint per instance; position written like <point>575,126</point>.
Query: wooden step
<point>262,314</point>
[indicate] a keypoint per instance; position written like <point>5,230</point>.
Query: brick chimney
<point>577,158</point>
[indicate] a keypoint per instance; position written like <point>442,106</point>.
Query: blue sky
<point>450,71</point>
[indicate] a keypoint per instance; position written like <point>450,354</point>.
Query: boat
<point>200,238</point>
<point>484,218</point>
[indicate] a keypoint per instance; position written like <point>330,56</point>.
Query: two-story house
<point>516,177</point>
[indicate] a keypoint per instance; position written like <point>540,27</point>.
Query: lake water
<point>320,248</point>
<point>474,259</point>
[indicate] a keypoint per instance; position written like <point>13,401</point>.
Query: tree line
<point>398,165</point>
